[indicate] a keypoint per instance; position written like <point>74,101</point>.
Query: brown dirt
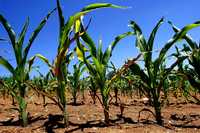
<point>179,117</point>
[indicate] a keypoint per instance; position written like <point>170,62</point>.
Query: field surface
<point>179,116</point>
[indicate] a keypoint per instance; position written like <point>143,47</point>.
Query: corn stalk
<point>155,71</point>
<point>192,50</point>
<point>44,83</point>
<point>69,31</point>
<point>75,81</point>
<point>97,65</point>
<point>20,73</point>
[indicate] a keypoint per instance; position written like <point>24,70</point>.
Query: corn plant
<point>84,86</point>
<point>69,31</point>
<point>98,65</point>
<point>192,50</point>
<point>93,89</point>
<point>4,90</point>
<point>177,82</point>
<point>45,84</point>
<point>155,71</point>
<point>114,86</point>
<point>20,73</point>
<point>121,82</point>
<point>75,81</point>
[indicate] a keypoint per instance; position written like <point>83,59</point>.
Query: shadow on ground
<point>55,122</point>
<point>12,122</point>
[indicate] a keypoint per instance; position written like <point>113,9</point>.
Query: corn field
<point>84,90</point>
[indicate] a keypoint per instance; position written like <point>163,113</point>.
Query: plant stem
<point>23,116</point>
<point>157,107</point>
<point>65,115</point>
<point>106,114</point>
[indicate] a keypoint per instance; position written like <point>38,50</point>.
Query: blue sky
<point>106,24</point>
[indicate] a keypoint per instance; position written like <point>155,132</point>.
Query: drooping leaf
<point>100,5</point>
<point>192,81</point>
<point>185,29</point>
<point>179,35</point>
<point>178,61</point>
<point>77,17</point>
<point>7,65</point>
<point>135,69</point>
<point>189,39</point>
<point>140,40</point>
<point>41,57</point>
<point>109,50</point>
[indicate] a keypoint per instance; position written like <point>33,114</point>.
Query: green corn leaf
<point>140,40</point>
<point>23,32</point>
<point>69,57</point>
<point>20,42</point>
<point>194,60</point>
<point>99,51</point>
<point>148,53</point>
<point>80,51</point>
<point>193,81</point>
<point>106,93</point>
<point>113,66</point>
<point>100,5</point>
<point>189,39</point>
<point>67,29</point>
<point>61,21</point>
<point>7,65</point>
<point>135,69</point>
<point>22,102</point>
<point>90,67</point>
<point>98,67</point>
<point>12,37</point>
<point>61,17</point>
<point>41,57</point>
<point>9,30</point>
<point>34,35</point>
<point>179,60</point>
<point>89,42</point>
<point>80,65</point>
<point>186,48</point>
<point>185,29</point>
<point>84,58</point>
<point>84,68</point>
<point>153,34</point>
<point>76,18</point>
<point>109,50</point>
<point>179,35</point>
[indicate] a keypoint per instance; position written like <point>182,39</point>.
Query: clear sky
<point>106,24</point>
